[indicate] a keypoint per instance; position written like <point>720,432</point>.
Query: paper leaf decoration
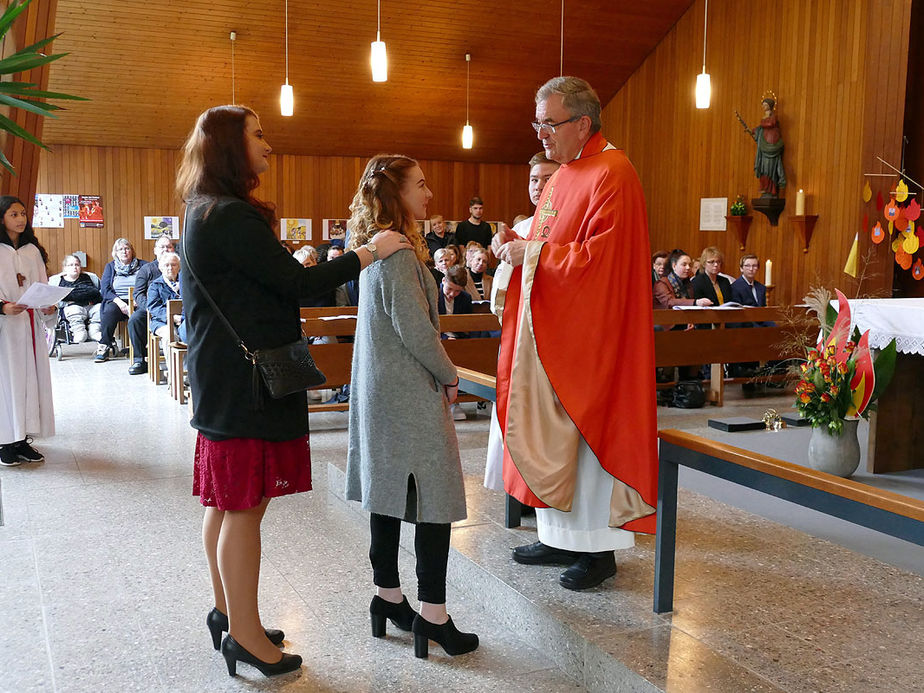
<point>896,245</point>
<point>901,191</point>
<point>901,223</point>
<point>891,210</point>
<point>879,201</point>
<point>877,234</point>
<point>912,211</point>
<point>918,270</point>
<point>911,244</point>
<point>867,192</point>
<point>891,228</point>
<point>903,259</point>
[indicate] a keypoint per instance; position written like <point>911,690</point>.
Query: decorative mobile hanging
<point>901,214</point>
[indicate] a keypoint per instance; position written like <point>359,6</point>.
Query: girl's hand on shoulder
<point>389,242</point>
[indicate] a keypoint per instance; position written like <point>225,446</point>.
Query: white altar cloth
<point>901,319</point>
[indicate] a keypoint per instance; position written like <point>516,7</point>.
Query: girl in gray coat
<point>403,461</point>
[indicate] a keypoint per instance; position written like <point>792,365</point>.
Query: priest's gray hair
<point>577,96</point>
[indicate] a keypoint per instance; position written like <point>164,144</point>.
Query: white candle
<point>768,276</point>
<point>800,203</point>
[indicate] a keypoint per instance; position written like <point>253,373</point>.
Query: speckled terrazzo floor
<point>103,587</point>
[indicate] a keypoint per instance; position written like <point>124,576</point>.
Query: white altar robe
<point>26,406</point>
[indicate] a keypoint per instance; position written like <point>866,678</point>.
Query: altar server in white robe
<point>25,377</point>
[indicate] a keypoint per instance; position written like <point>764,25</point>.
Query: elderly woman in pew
<point>163,289</point>
<point>118,278</point>
<point>403,462</point>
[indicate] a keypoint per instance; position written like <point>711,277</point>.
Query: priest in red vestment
<point>575,375</point>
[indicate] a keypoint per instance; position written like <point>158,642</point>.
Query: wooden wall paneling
<point>819,59</point>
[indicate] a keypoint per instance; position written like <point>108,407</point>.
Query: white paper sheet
<point>42,295</point>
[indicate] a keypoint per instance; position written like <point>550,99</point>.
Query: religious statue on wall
<point>768,162</point>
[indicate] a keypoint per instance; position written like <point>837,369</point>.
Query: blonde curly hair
<point>377,204</point>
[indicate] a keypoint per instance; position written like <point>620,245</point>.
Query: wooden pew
<point>884,511</point>
<point>335,360</point>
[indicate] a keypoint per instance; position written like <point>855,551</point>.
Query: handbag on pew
<point>689,394</point>
<point>283,370</point>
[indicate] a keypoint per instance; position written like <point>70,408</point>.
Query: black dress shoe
<point>218,624</point>
<point>402,615</point>
<point>541,554</point>
<point>234,653</point>
<point>589,571</point>
<point>138,367</point>
<point>453,641</point>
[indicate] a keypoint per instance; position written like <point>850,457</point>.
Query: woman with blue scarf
<point>118,278</point>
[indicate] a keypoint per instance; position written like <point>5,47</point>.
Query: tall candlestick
<point>800,203</point>
<point>768,276</point>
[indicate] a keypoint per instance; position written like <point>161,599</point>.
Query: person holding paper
<point>26,407</point>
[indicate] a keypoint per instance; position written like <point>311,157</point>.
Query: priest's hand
<point>503,235</point>
<point>512,252</point>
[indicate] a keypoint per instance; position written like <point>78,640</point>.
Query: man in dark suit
<point>746,290</point>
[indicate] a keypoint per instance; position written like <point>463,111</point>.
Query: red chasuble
<point>577,348</point>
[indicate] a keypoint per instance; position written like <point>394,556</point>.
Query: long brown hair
<point>215,161</point>
<point>377,204</point>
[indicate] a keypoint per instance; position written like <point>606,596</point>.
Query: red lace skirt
<point>238,473</point>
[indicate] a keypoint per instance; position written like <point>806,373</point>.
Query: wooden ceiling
<point>151,66</point>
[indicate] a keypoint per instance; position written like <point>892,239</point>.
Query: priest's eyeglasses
<point>549,128</point>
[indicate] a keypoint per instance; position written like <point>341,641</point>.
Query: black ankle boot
<point>402,615</point>
<point>218,624</point>
<point>447,635</point>
<point>234,653</point>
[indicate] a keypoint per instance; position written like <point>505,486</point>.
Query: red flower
<point>825,397</point>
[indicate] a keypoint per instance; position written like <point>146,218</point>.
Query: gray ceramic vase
<point>835,454</point>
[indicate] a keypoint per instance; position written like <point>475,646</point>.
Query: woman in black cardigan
<point>250,446</point>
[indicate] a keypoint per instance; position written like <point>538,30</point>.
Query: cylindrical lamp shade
<point>468,137</point>
<point>703,90</point>
<point>379,62</point>
<point>286,100</point>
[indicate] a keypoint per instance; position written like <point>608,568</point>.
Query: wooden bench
<point>336,360</point>
<point>722,345</point>
<point>884,511</point>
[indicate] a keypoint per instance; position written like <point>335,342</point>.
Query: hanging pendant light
<point>468,134</point>
<point>703,83</point>
<point>286,94</point>
<point>378,57</point>
<point>233,38</point>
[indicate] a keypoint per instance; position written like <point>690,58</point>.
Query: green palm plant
<point>25,95</point>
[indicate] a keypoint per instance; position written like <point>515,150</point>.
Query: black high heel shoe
<point>218,624</point>
<point>402,615</point>
<point>447,635</point>
<point>234,653</point>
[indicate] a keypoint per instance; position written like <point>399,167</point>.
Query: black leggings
<point>111,316</point>
<point>431,544</point>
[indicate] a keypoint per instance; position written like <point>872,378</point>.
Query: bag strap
<point>187,266</point>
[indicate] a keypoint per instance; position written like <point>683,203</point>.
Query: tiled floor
<point>103,586</point>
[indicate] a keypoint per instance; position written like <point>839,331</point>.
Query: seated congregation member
<point>82,305</point>
<point>746,290</point>
<point>541,169</point>
<point>659,266</point>
<point>474,228</point>
<point>710,283</point>
<point>453,298</point>
<point>118,278</point>
<point>479,281</point>
<point>307,255</point>
<point>403,461</point>
<point>438,236</point>
<point>138,320</point>
<point>335,250</point>
<point>165,288</point>
<point>676,289</point>
<point>443,259</point>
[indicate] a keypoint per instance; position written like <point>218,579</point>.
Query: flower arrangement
<point>840,378</point>
<point>739,209</point>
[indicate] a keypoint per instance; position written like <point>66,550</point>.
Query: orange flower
<point>805,398</point>
<point>825,397</point>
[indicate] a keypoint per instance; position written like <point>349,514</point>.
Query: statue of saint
<point>768,163</point>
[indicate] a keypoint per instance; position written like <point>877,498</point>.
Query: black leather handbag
<point>282,370</point>
<point>689,394</point>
